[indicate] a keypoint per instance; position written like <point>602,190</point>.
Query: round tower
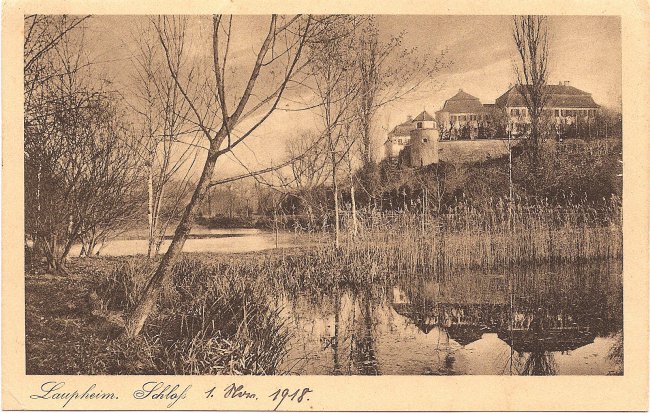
<point>424,141</point>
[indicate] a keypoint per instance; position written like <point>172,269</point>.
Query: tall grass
<point>212,319</point>
<point>493,236</point>
<point>222,317</point>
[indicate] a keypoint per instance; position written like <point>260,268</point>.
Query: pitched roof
<point>558,96</point>
<point>423,117</point>
<point>403,129</point>
<point>462,102</point>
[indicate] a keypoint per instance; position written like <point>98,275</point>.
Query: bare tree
<point>530,34</point>
<point>277,62</point>
<point>309,169</point>
<point>162,112</point>
<point>78,177</point>
<point>334,69</point>
<point>388,72</point>
<point>42,36</point>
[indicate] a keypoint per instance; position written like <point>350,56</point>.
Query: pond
<point>204,240</point>
<point>559,320</point>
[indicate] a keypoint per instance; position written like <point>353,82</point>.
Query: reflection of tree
<point>337,328</point>
<point>363,347</point>
<point>616,354</point>
<point>539,363</point>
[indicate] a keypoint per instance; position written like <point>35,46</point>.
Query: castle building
<point>424,140</point>
<point>465,130</point>
<point>565,105</point>
<point>462,113</point>
<point>398,138</point>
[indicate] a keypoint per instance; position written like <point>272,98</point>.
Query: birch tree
<point>336,86</point>
<point>388,72</point>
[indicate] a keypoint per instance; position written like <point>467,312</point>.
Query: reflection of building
<point>464,318</point>
<point>554,339</point>
<point>467,308</point>
<point>565,105</point>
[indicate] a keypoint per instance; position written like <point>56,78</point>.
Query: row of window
<point>464,118</point>
<point>575,112</point>
<point>558,112</point>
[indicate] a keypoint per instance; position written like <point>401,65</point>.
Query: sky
<point>585,50</point>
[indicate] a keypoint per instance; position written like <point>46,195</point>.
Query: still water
<point>223,241</point>
<point>541,321</point>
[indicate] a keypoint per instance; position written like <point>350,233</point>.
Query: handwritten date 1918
<point>298,396</point>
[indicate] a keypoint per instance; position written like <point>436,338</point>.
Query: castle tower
<point>424,141</point>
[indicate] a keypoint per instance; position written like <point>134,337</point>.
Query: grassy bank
<point>215,319</point>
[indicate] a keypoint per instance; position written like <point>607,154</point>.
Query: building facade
<point>424,141</point>
<point>566,107</point>
<point>398,138</point>
<point>462,117</point>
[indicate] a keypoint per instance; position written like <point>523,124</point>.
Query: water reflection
<point>540,321</point>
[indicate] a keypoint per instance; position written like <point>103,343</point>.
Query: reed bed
<point>220,315</point>
<point>493,236</point>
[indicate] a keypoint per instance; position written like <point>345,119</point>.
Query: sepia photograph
<point>327,194</point>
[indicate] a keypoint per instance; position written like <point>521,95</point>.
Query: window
<point>425,140</point>
<point>453,118</point>
<point>557,112</point>
<point>463,118</point>
<point>419,125</point>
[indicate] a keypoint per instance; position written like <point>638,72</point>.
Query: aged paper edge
<point>629,392</point>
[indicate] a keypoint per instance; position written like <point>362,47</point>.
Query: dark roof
<point>558,96</point>
<point>423,117</point>
<point>465,334</point>
<point>462,102</point>
<point>403,129</point>
<point>525,341</point>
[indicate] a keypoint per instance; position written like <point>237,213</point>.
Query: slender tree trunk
<point>150,213</point>
<point>149,296</point>
<point>335,190</point>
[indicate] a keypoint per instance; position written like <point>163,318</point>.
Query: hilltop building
<point>466,130</point>
<point>398,138</point>
<point>565,105</point>
<point>462,113</point>
<point>424,140</point>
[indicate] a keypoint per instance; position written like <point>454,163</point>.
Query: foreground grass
<point>215,320</point>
